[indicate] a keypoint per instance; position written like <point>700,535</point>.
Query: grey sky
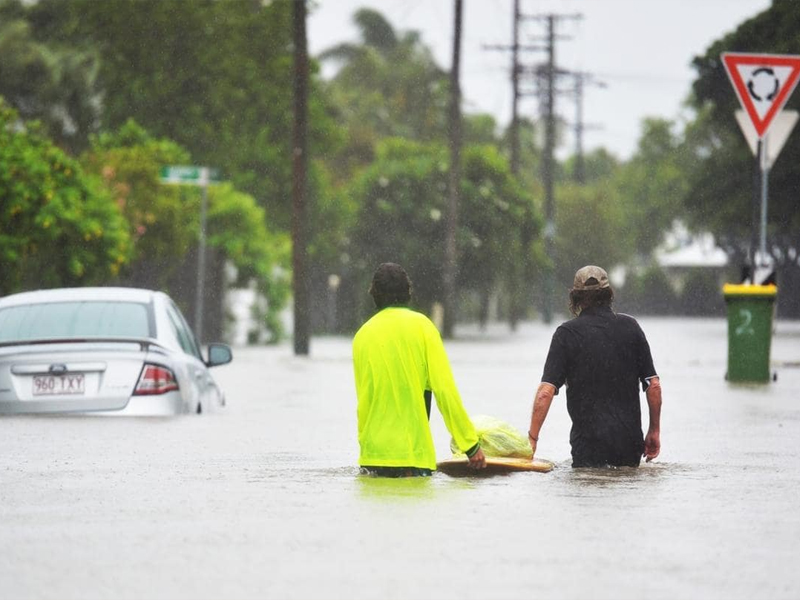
<point>641,49</point>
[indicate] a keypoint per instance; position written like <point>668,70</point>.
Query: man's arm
<point>541,406</point>
<point>448,400</point>
<point>652,441</point>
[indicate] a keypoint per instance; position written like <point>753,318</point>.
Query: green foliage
<point>647,292</point>
<point>702,294</point>
<point>59,226</point>
<point>652,185</point>
<point>493,208</point>
<point>332,215</point>
<point>598,165</point>
<point>479,129</point>
<point>402,206</point>
<point>401,199</point>
<point>236,225</point>
<point>215,77</point>
<point>49,82</point>
<point>389,85</point>
<point>162,219</point>
<point>591,229</point>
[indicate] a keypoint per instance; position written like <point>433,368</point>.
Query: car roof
<point>84,294</point>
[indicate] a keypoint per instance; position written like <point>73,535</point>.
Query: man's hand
<point>652,445</point>
<point>533,447</point>
<point>477,460</point>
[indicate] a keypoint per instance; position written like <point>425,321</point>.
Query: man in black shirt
<point>601,356</point>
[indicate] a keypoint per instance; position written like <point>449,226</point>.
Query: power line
<point>581,78</point>
<point>545,77</point>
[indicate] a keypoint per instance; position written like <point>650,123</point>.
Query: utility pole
<point>549,74</point>
<point>579,174</point>
<point>299,165</point>
<point>548,162</point>
<point>548,171</point>
<point>451,251</point>
<point>515,69</point>
<point>523,286</point>
<point>524,275</point>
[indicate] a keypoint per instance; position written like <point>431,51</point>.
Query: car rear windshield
<point>60,320</point>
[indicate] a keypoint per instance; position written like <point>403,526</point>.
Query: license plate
<point>58,385</point>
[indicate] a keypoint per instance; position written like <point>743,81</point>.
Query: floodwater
<point>264,501</point>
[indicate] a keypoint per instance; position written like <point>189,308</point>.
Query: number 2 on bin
<point>747,318</point>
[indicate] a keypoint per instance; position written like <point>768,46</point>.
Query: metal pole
<point>201,258</point>
<point>755,212</point>
<point>762,246</point>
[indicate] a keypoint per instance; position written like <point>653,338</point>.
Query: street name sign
<point>201,177</point>
<point>763,84</point>
<point>187,175</point>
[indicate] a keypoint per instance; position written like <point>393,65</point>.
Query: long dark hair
<point>580,299</point>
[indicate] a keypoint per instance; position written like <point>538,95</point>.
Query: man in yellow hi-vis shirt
<point>399,359</point>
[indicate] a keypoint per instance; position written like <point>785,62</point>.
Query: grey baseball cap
<point>590,278</point>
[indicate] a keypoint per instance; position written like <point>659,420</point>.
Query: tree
<point>591,230</point>
<point>164,223</point>
<point>598,165</point>
<point>652,186</point>
<point>401,199</point>
<point>388,85</point>
<point>212,76</point>
<point>237,228</point>
<point>56,85</point>
<point>161,219</point>
<point>59,225</point>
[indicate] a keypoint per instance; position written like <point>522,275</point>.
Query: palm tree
<point>386,85</point>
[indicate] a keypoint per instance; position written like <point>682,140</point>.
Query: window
<point>182,331</point>
<point>65,320</point>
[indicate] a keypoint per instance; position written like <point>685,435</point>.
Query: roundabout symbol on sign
<point>762,79</point>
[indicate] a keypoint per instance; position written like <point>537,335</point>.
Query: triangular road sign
<point>782,126</point>
<point>763,83</point>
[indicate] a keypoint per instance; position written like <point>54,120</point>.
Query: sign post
<point>196,176</point>
<point>763,84</point>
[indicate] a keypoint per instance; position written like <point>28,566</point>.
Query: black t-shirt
<point>602,357</point>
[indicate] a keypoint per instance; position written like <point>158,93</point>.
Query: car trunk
<point>65,377</point>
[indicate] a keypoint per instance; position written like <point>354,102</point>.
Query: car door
<point>205,389</point>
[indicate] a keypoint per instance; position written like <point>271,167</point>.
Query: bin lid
<point>735,289</point>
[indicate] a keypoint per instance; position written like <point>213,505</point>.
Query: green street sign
<point>185,175</point>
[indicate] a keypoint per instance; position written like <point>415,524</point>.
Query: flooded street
<point>263,500</point>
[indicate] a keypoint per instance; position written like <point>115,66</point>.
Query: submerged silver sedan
<point>109,350</point>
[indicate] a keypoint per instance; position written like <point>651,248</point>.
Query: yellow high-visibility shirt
<point>397,355</point>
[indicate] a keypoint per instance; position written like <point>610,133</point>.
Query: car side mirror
<point>219,354</point>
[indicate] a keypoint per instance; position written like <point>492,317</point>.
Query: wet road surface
<point>263,500</point>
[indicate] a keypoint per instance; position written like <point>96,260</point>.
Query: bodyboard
<point>495,465</point>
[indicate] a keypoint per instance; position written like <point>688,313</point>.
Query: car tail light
<point>155,379</point>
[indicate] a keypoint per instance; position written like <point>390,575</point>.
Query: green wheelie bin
<point>750,310</point>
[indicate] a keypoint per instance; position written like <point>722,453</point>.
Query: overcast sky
<point>640,49</point>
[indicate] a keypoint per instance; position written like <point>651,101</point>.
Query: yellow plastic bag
<point>498,438</point>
